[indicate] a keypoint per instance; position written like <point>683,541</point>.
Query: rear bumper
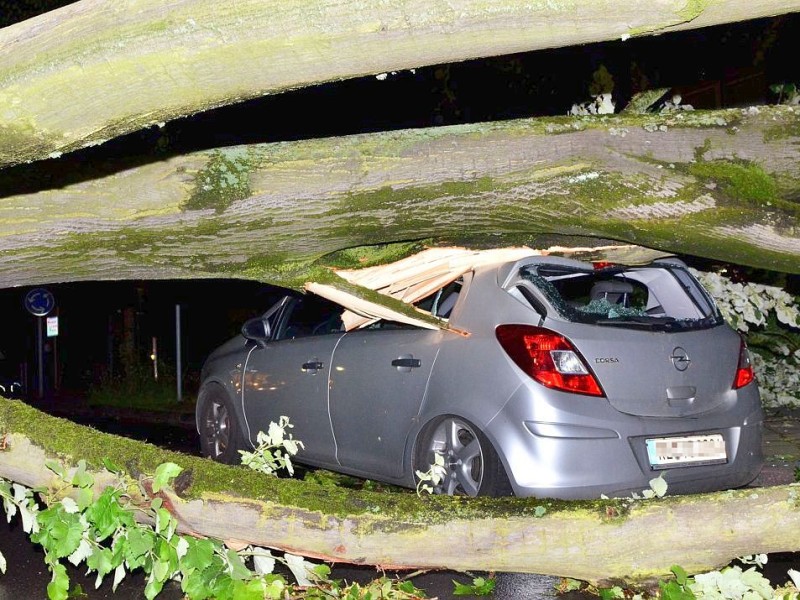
<point>575,447</point>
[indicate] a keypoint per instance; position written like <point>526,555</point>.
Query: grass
<point>139,390</point>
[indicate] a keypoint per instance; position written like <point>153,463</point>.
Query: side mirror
<point>257,330</point>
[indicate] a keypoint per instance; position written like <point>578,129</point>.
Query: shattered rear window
<point>655,296</point>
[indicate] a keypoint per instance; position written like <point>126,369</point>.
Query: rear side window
<point>654,296</point>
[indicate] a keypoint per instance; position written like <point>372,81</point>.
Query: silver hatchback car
<point>574,380</point>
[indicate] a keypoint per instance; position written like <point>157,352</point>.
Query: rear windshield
<point>655,297</point>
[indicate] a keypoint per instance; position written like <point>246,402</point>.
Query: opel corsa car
<point>573,380</point>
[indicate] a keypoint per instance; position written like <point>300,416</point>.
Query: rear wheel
<point>220,433</point>
<point>471,464</point>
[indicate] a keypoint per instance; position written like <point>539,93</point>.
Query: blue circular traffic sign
<point>39,302</point>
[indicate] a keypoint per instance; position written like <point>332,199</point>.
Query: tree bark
<point>722,184</point>
<point>598,541</point>
<point>98,69</point>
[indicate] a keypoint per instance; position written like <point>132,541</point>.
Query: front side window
<point>655,296</point>
<point>311,315</point>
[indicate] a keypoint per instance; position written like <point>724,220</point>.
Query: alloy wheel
<point>460,446</point>
<point>217,428</point>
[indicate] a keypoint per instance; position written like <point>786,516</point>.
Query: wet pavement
<point>781,445</point>
<point>27,575</point>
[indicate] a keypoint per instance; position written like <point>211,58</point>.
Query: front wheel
<point>471,464</point>
<point>220,432</point>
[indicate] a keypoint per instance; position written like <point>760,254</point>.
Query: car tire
<point>220,432</point>
<point>472,466</point>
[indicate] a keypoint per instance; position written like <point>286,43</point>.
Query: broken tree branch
<point>97,69</point>
<point>718,184</point>
<point>593,541</point>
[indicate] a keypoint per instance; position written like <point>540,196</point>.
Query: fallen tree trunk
<point>594,541</point>
<point>720,184</point>
<point>115,67</point>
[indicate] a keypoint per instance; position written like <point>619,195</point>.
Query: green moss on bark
<point>740,180</point>
<point>224,180</point>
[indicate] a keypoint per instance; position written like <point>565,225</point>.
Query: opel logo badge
<point>680,359</point>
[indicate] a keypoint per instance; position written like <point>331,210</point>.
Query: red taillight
<point>602,264</point>
<point>548,358</point>
<point>744,370</point>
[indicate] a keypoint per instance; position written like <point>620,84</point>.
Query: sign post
<point>39,302</point>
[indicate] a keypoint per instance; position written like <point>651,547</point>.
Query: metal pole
<point>154,357</point>
<point>55,364</point>
<point>178,364</point>
<point>40,356</point>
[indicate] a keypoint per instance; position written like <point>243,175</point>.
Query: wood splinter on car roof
<point>416,277</point>
<point>408,280</point>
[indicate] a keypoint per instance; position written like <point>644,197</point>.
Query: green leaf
<point>539,511</point>
<point>480,587</point>
<point>100,561</point>
<point>81,478</point>
<point>408,588</point>
<point>680,574</point>
<point>322,572</point>
<point>255,589</point>
<point>56,467</point>
<point>672,590</point>
<point>112,467</point>
<point>85,498</point>
<point>612,593</point>
<point>569,585</point>
<point>237,568</point>
<point>58,588</point>
<point>199,554</point>
<point>164,522</point>
<point>166,554</point>
<point>140,542</point>
<point>106,515</point>
<point>275,587</point>
<point>195,585</point>
<point>152,589</point>
<point>77,592</point>
<point>60,532</point>
<point>165,472</point>
<point>161,570</point>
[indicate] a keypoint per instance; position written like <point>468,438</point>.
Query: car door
<point>289,376</point>
<point>378,383</point>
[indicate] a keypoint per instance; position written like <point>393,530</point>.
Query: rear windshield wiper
<point>653,323</point>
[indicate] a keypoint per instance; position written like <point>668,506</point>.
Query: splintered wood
<point>410,280</point>
<point>418,276</point>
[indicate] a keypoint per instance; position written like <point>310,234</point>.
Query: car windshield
<point>658,297</point>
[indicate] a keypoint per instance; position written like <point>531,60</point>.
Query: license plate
<point>665,453</point>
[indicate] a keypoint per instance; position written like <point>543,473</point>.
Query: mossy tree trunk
<point>721,184</point>
<point>594,541</point>
<point>97,69</point>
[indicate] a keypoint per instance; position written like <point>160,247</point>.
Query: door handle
<point>313,365</point>
<point>407,363</point>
